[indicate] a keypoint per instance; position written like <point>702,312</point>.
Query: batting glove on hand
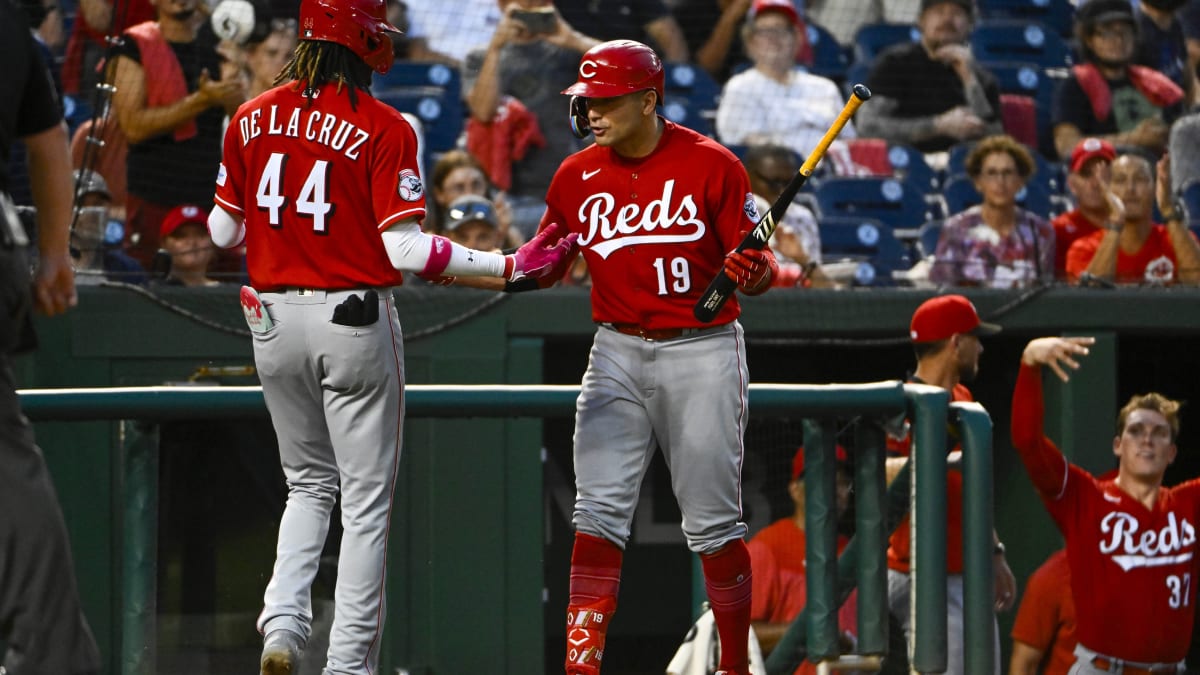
<point>751,269</point>
<point>540,255</point>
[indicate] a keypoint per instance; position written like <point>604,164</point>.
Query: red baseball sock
<point>727,579</point>
<point>595,579</point>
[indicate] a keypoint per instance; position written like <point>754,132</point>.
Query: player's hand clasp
<point>544,253</point>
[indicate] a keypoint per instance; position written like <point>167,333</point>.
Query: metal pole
<point>927,564</point>
<point>975,429</point>
<point>820,524</point>
<point>870,484</point>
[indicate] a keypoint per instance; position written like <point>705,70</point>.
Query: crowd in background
<point>985,130</point>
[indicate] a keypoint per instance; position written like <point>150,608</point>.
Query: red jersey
<point>899,546</point>
<point>654,230</point>
<point>1046,619</point>
<point>1154,263</point>
<point>1068,227</point>
<point>1133,569</point>
<point>317,185</point>
<point>777,563</point>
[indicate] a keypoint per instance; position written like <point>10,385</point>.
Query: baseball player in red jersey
<point>321,182</point>
<point>1131,543</point>
<point>657,207</point>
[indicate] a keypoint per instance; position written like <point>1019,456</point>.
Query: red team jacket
<point>316,185</point>
<point>1133,569</point>
<point>655,230</point>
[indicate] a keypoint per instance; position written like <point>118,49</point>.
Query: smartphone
<point>538,21</point>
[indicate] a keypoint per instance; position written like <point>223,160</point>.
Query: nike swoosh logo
<point>589,174</point>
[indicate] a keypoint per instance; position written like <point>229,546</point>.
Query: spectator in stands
<point>711,29</point>
<point>797,240</point>
<point>97,260</point>
<point>513,92</point>
<point>95,20</point>
<point>843,18</point>
<point>945,332</point>
<point>439,31</point>
<point>456,174</point>
<point>1189,17</point>
<point>1138,250</point>
<point>1044,632</point>
<point>777,561</point>
<point>171,109</point>
<point>1088,177</point>
<point>1107,96</point>
<point>102,148</point>
<point>1161,43</point>
<point>266,58</point>
<point>185,239</point>
<point>471,221</point>
<point>996,243</point>
<point>647,21</point>
<point>932,94</point>
<point>802,105</point>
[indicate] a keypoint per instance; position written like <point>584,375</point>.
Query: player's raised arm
<point>1045,463</point>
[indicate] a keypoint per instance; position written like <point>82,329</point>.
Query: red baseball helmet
<point>618,67</point>
<point>359,25</point>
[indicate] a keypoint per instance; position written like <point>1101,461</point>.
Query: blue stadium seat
<point>857,73</point>
<point>1013,40</point>
<point>431,91</point>
<point>873,38</point>
<point>404,74</point>
<point>830,58</point>
<point>866,241</point>
<point>685,111</point>
<point>909,165</point>
<point>692,82</point>
<point>1028,79</point>
<point>893,202</point>
<point>960,193</point>
<point>928,238</point>
<point>1059,15</point>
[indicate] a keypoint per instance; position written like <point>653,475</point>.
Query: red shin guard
<point>727,580</point>
<point>595,579</point>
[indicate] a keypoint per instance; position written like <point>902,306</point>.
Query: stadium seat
<point>692,82</point>
<point>433,93</point>
<point>909,164</point>
<point>685,111</point>
<point>873,38</point>
<point>928,238</point>
<point>1019,116</point>
<point>960,193</point>
<point>830,58</point>
<point>866,241</point>
<point>857,73</point>
<point>404,74</point>
<point>895,203</point>
<point>1026,78</point>
<point>1013,40</point>
<point>1059,15</point>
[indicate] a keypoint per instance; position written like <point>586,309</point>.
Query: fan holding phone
<point>513,90</point>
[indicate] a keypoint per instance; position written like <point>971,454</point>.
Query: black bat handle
<point>718,291</point>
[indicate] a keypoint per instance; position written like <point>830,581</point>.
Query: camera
<point>538,21</point>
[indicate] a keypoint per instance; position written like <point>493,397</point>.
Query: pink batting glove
<point>539,256</point>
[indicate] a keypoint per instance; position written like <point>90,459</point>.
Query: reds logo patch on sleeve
<point>750,206</point>
<point>409,186</point>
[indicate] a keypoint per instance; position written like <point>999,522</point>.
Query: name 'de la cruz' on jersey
<point>317,184</point>
<point>654,230</point>
<point>1133,569</point>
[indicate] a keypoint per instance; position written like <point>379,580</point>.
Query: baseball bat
<point>721,287</point>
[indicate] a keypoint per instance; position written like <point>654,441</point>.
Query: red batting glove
<point>751,269</point>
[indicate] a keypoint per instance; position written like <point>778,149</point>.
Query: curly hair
<point>1000,143</point>
<point>318,62</point>
<point>1168,408</point>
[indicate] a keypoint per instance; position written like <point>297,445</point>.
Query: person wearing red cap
<point>802,105</point>
<point>1088,177</point>
<point>184,236</point>
<point>932,94</point>
<point>945,333</point>
<point>778,563</point>
<point>1135,249</point>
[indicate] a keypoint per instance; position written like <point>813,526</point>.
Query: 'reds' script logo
<point>1131,549</point>
<point>661,223</point>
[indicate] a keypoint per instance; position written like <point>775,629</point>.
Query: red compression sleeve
<point>1046,465</point>
<point>727,580</point>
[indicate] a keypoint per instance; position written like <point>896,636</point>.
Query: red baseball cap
<point>1091,148</point>
<point>798,460</point>
<point>941,317</point>
<point>785,7</point>
<point>181,215</point>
